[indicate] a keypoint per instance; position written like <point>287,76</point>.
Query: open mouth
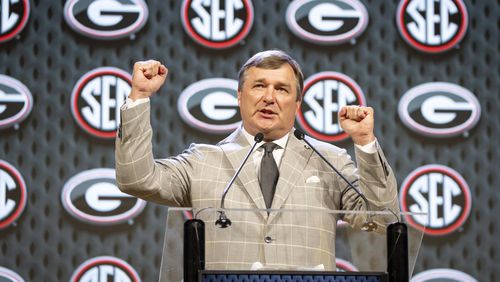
<point>267,112</point>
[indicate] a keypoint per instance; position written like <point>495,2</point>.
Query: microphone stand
<point>194,249</point>
<point>397,251</point>
<point>369,225</point>
<point>194,229</point>
<point>223,220</point>
<point>397,232</point>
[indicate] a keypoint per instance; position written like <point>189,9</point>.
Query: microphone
<point>369,225</point>
<point>223,220</point>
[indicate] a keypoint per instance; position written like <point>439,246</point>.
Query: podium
<point>288,245</point>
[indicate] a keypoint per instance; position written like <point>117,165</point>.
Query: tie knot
<point>269,147</point>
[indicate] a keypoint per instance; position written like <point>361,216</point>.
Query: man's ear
<point>299,103</point>
<point>239,98</point>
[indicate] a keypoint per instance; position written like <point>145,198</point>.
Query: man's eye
<point>284,90</point>
<point>258,86</point>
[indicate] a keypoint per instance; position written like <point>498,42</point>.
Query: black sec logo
<point>439,191</point>
<point>92,196</point>
<point>104,269</point>
<point>96,100</point>
<point>106,19</point>
<point>7,275</point>
<point>325,93</point>
<point>217,24</point>
<point>14,15</point>
<point>16,101</point>
<point>439,109</point>
<point>13,194</point>
<point>211,105</point>
<point>432,26</point>
<point>327,21</point>
<point>442,274</point>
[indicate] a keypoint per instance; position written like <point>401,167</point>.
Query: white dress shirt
<point>259,152</point>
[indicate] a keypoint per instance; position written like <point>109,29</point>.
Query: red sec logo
<point>13,18</point>
<point>432,26</point>
<point>104,269</point>
<point>325,93</point>
<point>439,191</point>
<point>13,194</point>
<point>217,24</point>
<point>96,100</point>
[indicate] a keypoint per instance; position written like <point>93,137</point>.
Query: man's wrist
<point>363,140</point>
<point>369,148</point>
<point>136,94</point>
<point>129,103</point>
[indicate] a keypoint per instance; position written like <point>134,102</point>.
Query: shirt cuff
<point>129,103</point>
<point>369,148</point>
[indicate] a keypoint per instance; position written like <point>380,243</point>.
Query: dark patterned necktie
<point>268,173</point>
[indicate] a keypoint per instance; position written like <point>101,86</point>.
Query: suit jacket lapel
<point>293,163</point>
<point>236,147</point>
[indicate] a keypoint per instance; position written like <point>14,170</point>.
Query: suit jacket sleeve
<point>377,180</point>
<point>164,181</point>
<point>374,178</point>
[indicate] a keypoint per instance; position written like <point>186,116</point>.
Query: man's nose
<point>269,94</point>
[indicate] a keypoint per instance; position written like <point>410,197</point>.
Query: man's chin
<point>269,130</point>
<point>271,134</point>
<point>265,129</point>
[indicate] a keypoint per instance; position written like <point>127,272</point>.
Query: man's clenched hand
<point>358,122</point>
<point>147,78</point>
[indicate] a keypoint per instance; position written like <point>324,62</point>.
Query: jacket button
<point>268,239</point>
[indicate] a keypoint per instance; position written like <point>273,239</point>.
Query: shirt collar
<point>280,142</point>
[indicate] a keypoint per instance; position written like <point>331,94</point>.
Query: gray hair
<point>272,59</point>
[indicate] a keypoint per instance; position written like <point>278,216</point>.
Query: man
<point>269,95</point>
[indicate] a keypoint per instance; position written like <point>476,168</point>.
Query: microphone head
<point>223,221</point>
<point>299,134</point>
<point>259,137</point>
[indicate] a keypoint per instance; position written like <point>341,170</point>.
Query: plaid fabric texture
<point>198,176</point>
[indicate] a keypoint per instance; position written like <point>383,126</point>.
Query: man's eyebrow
<point>260,80</point>
<point>284,84</point>
<point>279,84</point>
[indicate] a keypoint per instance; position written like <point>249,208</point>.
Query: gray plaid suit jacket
<point>197,177</point>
